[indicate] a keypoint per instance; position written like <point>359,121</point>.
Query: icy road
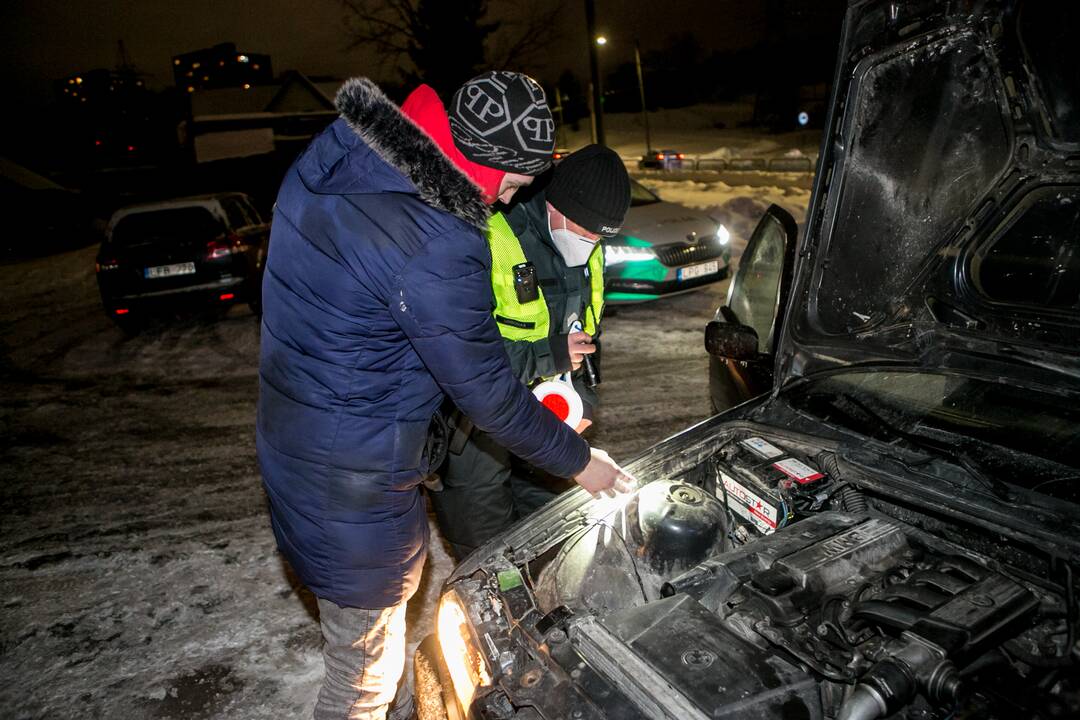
<point>138,571</point>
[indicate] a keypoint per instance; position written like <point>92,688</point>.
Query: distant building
<point>279,117</point>
<point>113,117</point>
<point>98,86</point>
<point>221,66</point>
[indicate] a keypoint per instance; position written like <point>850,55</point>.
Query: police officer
<point>548,282</point>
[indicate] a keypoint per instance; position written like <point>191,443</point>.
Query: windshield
<point>640,195</point>
<point>1024,437</point>
<point>161,227</point>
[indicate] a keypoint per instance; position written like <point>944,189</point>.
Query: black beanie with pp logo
<point>592,188</point>
<point>501,120</point>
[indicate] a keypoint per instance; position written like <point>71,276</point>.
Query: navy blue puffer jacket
<point>377,301</point>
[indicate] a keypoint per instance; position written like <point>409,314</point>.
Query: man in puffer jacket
<point>377,301</point>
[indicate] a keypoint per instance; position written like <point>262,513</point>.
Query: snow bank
<point>707,131</point>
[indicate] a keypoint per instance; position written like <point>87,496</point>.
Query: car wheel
<point>130,325</point>
<point>254,292</point>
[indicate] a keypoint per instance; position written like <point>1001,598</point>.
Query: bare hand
<point>603,475</point>
<point>579,345</point>
<point>583,425</point>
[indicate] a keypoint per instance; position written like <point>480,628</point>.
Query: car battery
<point>758,478</point>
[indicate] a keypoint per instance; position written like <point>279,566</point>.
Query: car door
<point>741,340</point>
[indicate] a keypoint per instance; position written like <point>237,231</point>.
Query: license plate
<point>161,271</point>
<point>696,271</point>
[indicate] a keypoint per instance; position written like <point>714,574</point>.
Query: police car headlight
<point>457,640</point>
<point>722,235</point>
<point>614,254</point>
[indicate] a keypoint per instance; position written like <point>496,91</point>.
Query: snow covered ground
<point>139,571</point>
<point>707,131</point>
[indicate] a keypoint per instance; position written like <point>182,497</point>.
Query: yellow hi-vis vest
<point>530,321</point>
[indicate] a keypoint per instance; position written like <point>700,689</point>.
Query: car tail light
<point>659,156</point>
<point>217,249</point>
<point>220,247</point>
<point>226,296</point>
<point>121,311</point>
<point>106,265</point>
<point>680,156</point>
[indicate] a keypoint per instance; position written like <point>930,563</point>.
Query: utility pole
<point>641,89</point>
<point>558,110</point>
<point>594,70</point>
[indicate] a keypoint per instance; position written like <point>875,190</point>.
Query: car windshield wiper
<point>927,446</point>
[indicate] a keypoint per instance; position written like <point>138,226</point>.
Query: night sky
<point>47,39</point>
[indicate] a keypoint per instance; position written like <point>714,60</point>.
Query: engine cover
<point>686,663</point>
<point>848,598</point>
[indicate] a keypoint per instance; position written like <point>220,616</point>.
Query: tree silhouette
<point>445,42</point>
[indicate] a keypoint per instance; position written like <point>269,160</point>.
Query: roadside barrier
<point>798,163</point>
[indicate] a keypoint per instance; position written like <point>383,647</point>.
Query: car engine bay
<point>763,582</point>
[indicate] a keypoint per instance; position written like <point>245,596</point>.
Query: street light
<point>597,112</point>
<point>641,90</point>
<point>598,109</point>
<point>598,95</point>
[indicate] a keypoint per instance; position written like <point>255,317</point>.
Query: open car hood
<point>944,224</point>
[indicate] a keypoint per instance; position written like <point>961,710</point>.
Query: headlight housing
<point>614,254</point>
<point>466,664</point>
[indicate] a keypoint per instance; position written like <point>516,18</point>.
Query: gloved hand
<point>602,474</point>
<point>579,344</point>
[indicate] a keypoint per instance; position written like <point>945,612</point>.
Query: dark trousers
<point>485,490</point>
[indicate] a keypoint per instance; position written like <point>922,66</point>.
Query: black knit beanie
<point>501,120</point>
<point>592,188</point>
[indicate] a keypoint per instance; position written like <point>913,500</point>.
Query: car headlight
<point>722,235</point>
<point>466,664</point>
<point>614,254</point>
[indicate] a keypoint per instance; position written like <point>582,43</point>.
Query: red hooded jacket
<point>424,108</point>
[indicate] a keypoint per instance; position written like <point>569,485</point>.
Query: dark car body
<point>184,252</point>
<point>893,528</point>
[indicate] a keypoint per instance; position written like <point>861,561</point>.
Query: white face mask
<point>575,249</point>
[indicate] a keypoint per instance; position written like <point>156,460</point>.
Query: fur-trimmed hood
<point>400,143</point>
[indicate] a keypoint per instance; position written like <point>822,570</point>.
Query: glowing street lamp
<point>595,92</point>
<point>641,90</point>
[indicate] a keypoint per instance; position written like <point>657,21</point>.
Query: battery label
<point>759,511</point>
<point>762,447</point>
<point>797,470</point>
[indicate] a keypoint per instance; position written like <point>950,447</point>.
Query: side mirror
<point>730,341</point>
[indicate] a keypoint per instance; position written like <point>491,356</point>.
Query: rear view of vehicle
<point>661,160</point>
<point>182,253</point>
